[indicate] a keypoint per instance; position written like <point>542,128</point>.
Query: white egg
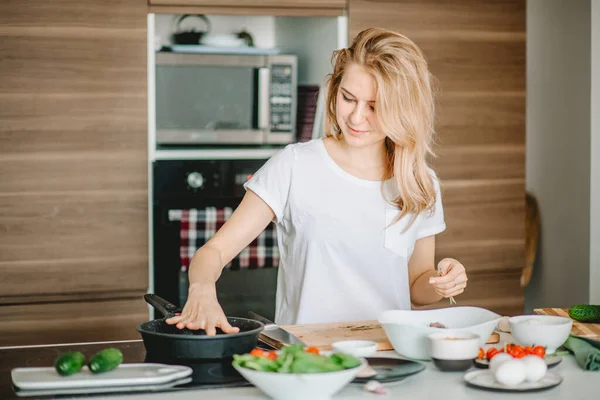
<point>510,373</point>
<point>535,368</point>
<point>499,359</point>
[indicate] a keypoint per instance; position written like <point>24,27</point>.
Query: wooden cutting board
<point>579,328</point>
<point>323,335</point>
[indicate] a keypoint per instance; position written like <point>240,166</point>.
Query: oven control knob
<point>195,180</point>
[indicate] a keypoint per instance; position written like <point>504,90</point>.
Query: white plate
<point>124,375</point>
<point>484,379</point>
<point>113,389</point>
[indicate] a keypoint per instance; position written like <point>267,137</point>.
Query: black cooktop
<point>208,374</point>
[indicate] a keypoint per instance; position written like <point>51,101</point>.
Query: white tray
<point>113,389</point>
<point>124,375</point>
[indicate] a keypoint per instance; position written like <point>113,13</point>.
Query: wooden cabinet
<point>476,49</point>
<point>73,165</point>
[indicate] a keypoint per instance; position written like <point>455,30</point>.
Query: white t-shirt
<point>338,260</point>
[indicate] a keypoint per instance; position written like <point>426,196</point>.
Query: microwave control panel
<point>282,91</point>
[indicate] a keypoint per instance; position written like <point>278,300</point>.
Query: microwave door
<point>211,99</point>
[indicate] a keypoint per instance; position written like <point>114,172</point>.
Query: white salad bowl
<point>540,330</point>
<point>407,330</point>
<point>290,386</point>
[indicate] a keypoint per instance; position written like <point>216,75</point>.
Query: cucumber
<point>69,363</point>
<point>105,360</point>
<point>585,313</point>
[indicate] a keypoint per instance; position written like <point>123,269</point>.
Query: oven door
<point>185,217</point>
<point>211,99</point>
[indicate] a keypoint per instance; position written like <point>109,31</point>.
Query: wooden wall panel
<point>494,119</point>
<point>476,50</point>
<point>84,171</point>
<point>34,123</point>
<point>73,165</point>
<point>483,211</point>
<point>480,162</point>
<point>50,226</point>
<point>74,64</point>
<point>89,275</point>
<point>76,322</point>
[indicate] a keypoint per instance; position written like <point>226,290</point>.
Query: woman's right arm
<point>202,310</point>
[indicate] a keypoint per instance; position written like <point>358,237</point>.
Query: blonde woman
<point>357,212</point>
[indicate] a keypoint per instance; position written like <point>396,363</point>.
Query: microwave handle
<point>264,104</point>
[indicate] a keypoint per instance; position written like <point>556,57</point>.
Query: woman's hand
<point>452,279</point>
<point>202,311</point>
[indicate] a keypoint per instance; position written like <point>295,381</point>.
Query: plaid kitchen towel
<point>199,225</point>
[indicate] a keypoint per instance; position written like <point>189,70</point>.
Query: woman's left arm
<point>426,287</point>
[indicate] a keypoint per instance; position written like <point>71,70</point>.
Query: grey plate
<point>485,380</point>
<point>551,361</point>
<point>390,369</point>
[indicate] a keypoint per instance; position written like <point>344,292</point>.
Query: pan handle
<point>163,306</point>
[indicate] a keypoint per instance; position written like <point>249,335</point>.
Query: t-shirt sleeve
<point>272,181</point>
<point>433,223</point>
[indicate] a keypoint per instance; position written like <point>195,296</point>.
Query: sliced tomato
<point>312,349</point>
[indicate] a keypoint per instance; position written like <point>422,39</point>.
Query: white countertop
<point>429,384</point>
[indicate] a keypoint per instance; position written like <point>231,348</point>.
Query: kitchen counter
<point>429,384</point>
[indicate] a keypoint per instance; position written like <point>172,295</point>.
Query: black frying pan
<point>167,341</point>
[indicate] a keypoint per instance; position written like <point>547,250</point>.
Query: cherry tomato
<point>492,351</point>
<point>518,353</point>
<point>312,349</point>
<point>539,351</point>
<point>258,352</point>
<point>529,350</point>
<point>515,350</point>
<point>272,355</point>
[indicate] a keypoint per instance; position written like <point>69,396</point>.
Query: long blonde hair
<point>405,111</point>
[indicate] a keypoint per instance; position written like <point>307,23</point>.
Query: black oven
<point>191,200</point>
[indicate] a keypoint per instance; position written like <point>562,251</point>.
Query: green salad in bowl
<point>295,359</point>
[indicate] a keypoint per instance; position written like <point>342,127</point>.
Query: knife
<point>273,335</point>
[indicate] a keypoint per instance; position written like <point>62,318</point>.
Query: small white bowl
<point>356,348</point>
<point>540,330</point>
<point>453,350</point>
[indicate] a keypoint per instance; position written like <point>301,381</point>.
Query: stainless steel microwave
<point>225,98</point>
